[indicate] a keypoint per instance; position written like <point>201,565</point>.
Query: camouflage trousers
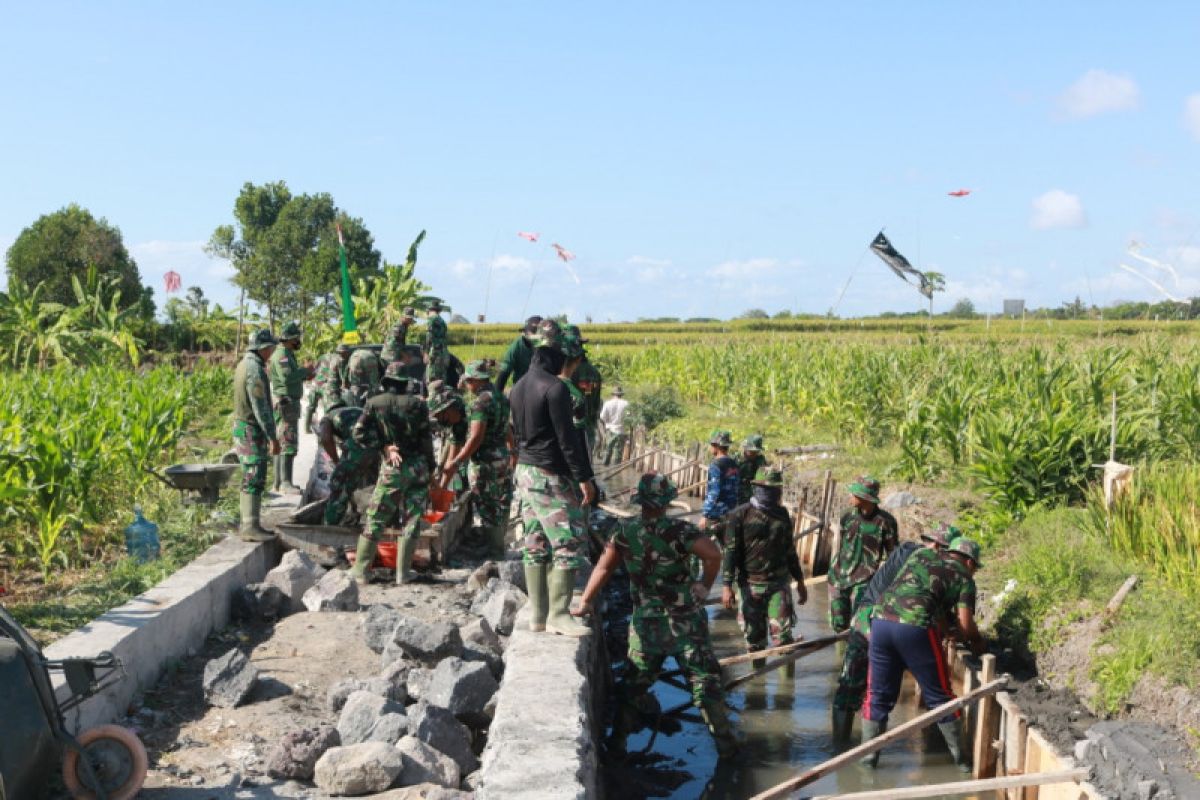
<point>852,682</point>
<point>685,638</point>
<point>287,426</point>
<point>491,491</point>
<point>400,497</point>
<point>553,517</point>
<point>766,608</point>
<point>252,447</point>
<point>842,601</point>
<point>437,360</point>
<point>615,446</point>
<point>344,481</point>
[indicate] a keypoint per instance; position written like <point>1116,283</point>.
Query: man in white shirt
<point>612,417</point>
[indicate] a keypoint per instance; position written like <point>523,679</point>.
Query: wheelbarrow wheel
<point>118,759</point>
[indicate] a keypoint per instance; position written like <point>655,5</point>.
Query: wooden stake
<point>965,787</point>
<point>866,748</point>
<point>784,648</point>
<point>1114,605</point>
<point>790,658</point>
<point>986,723</point>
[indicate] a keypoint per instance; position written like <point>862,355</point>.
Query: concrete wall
<point>168,622</point>
<point>542,744</point>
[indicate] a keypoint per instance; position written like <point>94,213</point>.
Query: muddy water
<point>784,724</point>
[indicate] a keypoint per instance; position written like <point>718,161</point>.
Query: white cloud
<point>462,268</point>
<point>1099,92</point>
<point>509,263</point>
<point>742,270</point>
<point>1191,115</point>
<point>1057,209</point>
<point>647,261</point>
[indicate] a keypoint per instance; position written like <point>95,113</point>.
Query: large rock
<point>499,604</point>
<point>424,764</point>
<point>395,675</point>
<point>229,679</point>
<point>438,728</point>
<point>295,757</point>
<point>336,591</point>
<point>295,575</point>
<point>360,714</point>
<point>899,500</point>
<point>259,601</point>
<point>478,579</point>
<point>417,683</point>
<point>463,688</point>
<point>378,625</point>
<point>480,643</point>
<point>339,692</point>
<point>426,641</point>
<point>389,728</point>
<point>359,768</point>
<point>514,573</point>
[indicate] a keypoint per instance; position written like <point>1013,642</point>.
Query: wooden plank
<point>1039,757</point>
<point>969,682</point>
<point>1064,776</point>
<point>879,742</point>
<point>986,724</point>
<point>1114,605</point>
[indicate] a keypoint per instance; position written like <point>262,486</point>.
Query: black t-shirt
<point>544,426</point>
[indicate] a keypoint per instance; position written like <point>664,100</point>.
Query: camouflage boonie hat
<point>753,442</point>
<point>290,331</point>
<point>342,349</point>
<point>573,330</point>
<point>435,304</point>
<point>655,490</point>
<point>721,438</point>
<point>443,398</point>
<point>549,335</point>
<point>531,325</point>
<point>866,488</point>
<point>572,345</point>
<point>944,535</point>
<point>395,372</point>
<point>262,338</point>
<point>769,476</point>
<point>478,370</point>
<point>967,548</point>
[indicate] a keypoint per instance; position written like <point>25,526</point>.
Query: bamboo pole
<point>634,488</point>
<point>866,748</point>
<point>615,468</point>
<point>814,646</point>
<point>965,787</point>
<point>783,648</point>
<point>1114,605</point>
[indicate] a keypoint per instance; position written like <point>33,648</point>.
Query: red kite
<point>959,193</point>
<point>527,236</point>
<point>172,281</point>
<point>563,253</point>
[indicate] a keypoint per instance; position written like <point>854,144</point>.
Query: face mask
<point>767,496</point>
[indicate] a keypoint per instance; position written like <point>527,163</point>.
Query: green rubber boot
<point>843,724</point>
<point>539,601</point>
<point>716,716</point>
<point>871,729</point>
<point>406,546</point>
<point>363,558</point>
<point>952,733</point>
<point>561,584</point>
<point>286,483</point>
<point>251,529</point>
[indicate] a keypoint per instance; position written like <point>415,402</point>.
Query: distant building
<point>1014,308</point>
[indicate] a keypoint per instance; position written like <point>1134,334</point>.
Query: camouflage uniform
<point>759,561</point>
<point>402,492</point>
<point>491,477</point>
<point>354,463</point>
<point>363,374</point>
<point>865,543</point>
<point>287,389</point>
<point>328,385</point>
<point>436,349</point>
<point>552,516</point>
<point>748,467</point>
<point>586,372</point>
<point>930,588</point>
<point>253,422</point>
<point>394,346</point>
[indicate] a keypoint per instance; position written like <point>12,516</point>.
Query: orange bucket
<point>441,499</point>
<point>433,517</point>
<point>385,556</point>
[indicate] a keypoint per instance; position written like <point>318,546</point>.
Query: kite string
<point>487,292</point>
<point>846,285</point>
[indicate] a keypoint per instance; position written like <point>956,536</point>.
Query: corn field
<point>75,447</point>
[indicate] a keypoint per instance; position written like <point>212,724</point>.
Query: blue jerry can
<point>141,538</point>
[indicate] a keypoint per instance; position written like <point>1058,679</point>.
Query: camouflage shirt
<point>287,377</point>
<point>721,495</point>
<point>331,378</point>
<point>586,371</point>
<point>399,419</point>
<point>657,554</point>
<point>578,403</point>
<point>491,408</point>
<point>748,468</point>
<point>758,546</point>
<point>865,543</point>
<point>252,393</point>
<point>861,622</point>
<point>435,334</point>
<point>394,347</point>
<point>930,587</point>
<point>342,421</point>
<point>363,374</point>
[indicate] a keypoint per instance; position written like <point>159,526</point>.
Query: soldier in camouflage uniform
<point>868,534</point>
<point>330,382</point>
<point>489,450</point>
<point>287,389</point>
<point>364,374</point>
<point>931,589</point>
<point>393,348</point>
<point>515,361</point>
<point>572,348</point>
<point>721,493</point>
<point>668,619</point>
<point>749,463</point>
<point>759,561</point>
<point>254,431</point>
<point>435,344</point>
<point>553,470</point>
<point>586,378</point>
<point>448,416</point>
<point>852,681</point>
<point>352,466</point>
<point>396,424</point>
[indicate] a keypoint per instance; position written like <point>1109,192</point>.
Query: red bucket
<point>433,517</point>
<point>385,556</point>
<point>441,499</point>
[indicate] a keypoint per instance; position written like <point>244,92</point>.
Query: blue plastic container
<point>141,538</point>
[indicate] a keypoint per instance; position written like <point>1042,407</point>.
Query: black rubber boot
<point>952,733</point>
<point>843,725</point>
<point>870,730</point>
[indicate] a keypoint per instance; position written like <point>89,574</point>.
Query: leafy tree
<point>963,309</point>
<point>754,313</point>
<point>284,248</point>
<point>66,243</point>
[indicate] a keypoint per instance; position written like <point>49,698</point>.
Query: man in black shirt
<point>552,460</point>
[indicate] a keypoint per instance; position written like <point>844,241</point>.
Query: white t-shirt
<point>612,414</point>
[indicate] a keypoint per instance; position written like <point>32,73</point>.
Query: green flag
<point>349,325</point>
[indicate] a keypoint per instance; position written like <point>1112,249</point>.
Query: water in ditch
<point>783,723</point>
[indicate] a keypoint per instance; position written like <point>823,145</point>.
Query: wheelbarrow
<point>108,762</point>
<point>205,480</point>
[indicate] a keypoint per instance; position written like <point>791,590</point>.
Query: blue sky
<point>699,158</point>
